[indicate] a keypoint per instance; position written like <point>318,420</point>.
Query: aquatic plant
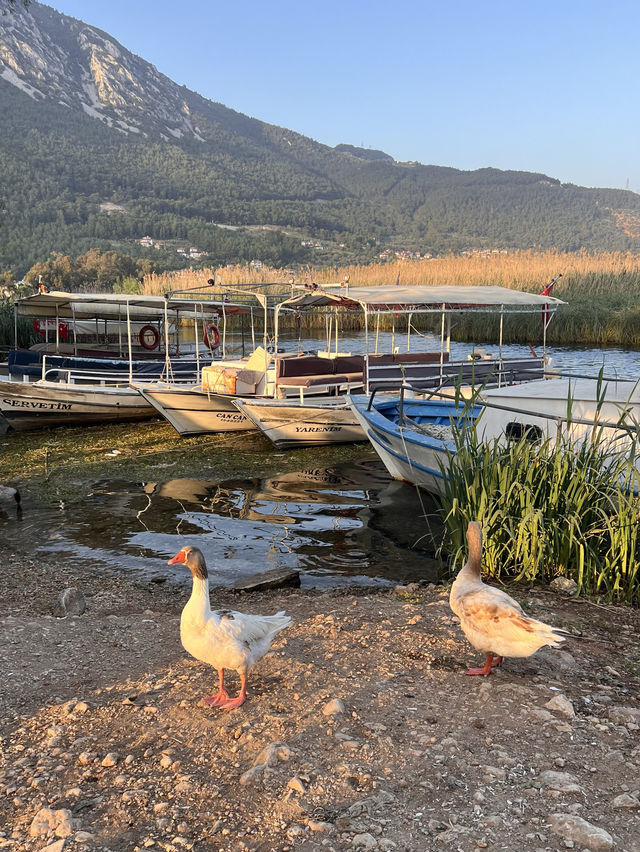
<point>556,507</point>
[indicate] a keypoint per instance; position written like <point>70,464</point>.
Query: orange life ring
<point>211,333</point>
<point>144,337</point>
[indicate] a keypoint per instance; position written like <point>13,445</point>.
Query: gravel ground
<point>361,730</point>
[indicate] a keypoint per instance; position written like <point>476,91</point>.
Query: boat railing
<point>631,428</point>
<point>429,374</point>
<point>114,378</point>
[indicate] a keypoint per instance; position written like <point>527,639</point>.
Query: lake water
<point>343,524</point>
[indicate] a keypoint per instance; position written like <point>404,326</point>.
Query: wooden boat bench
<point>312,371</point>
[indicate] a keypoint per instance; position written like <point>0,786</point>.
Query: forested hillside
<point>150,158</point>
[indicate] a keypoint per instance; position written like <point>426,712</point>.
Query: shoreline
<point>107,747</point>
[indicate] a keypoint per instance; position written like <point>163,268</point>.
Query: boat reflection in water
<point>347,524</point>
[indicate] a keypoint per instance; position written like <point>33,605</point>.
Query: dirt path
<point>105,745</point>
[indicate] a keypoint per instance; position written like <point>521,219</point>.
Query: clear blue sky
<point>545,85</point>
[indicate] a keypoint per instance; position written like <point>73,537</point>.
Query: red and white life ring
<point>149,337</point>
<point>211,336</point>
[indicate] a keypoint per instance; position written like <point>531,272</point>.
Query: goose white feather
<point>491,620</point>
<point>225,639</point>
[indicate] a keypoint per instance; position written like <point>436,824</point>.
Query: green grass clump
<point>548,509</point>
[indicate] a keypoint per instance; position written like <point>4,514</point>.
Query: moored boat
<point>311,421</point>
<point>99,391</point>
<point>414,437</point>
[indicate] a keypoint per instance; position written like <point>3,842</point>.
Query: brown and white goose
<point>492,621</point>
<point>223,638</point>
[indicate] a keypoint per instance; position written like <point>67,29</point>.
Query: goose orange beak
<point>179,557</point>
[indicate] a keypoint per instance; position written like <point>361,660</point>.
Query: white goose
<point>491,620</point>
<point>223,638</point>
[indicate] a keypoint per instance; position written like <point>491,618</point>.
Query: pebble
<point>364,841</point>
<point>580,831</point>
<point>333,707</point>
<point>564,586</point>
<point>110,759</point>
<point>47,820</point>
<point>626,800</point>
<point>71,601</point>
<point>564,782</point>
<point>561,704</point>
<point>624,715</point>
<point>320,827</point>
<point>296,784</point>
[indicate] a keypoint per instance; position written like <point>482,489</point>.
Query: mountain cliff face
<point>52,56</point>
<point>99,149</point>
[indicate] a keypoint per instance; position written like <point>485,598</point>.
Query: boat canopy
<point>424,299</point>
<point>117,305</point>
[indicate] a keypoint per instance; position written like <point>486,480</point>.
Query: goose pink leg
<point>221,695</point>
<point>231,703</point>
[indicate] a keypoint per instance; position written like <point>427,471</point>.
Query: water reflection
<point>348,523</point>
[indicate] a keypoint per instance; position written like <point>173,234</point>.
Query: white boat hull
<point>192,411</point>
<point>290,425</point>
<point>37,405</point>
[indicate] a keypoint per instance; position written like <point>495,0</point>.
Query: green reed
<point>548,509</point>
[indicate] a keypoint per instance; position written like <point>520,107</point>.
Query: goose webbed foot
<point>218,699</point>
<point>492,661</point>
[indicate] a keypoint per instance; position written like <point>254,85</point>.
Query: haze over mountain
<point>99,149</point>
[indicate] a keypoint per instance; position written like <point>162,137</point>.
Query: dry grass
<point>602,291</point>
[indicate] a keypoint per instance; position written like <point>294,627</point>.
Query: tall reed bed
<point>548,509</point>
<point>602,291</point>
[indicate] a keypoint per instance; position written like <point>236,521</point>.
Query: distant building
<point>146,241</point>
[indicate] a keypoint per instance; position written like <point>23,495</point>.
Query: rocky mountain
<point>99,149</point>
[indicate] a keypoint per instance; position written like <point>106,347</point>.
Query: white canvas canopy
<point>114,306</point>
<point>424,298</point>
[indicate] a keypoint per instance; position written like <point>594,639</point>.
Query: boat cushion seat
<point>320,379</point>
<point>311,370</point>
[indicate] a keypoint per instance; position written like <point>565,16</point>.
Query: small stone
<point>110,759</point>
<point>333,707</point>
<point>85,758</point>
<point>320,827</point>
<point>296,784</point>
<point>627,801</point>
<point>564,782</point>
<point>583,833</point>
<point>624,715</point>
<point>495,772</point>
<point>81,707</point>
<point>364,841</point>
<point>83,837</point>
<point>561,704</point>
<point>253,775</point>
<point>43,822</point>
<point>64,826</point>
<point>70,602</point>
<point>564,586</point>
<point>58,846</point>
